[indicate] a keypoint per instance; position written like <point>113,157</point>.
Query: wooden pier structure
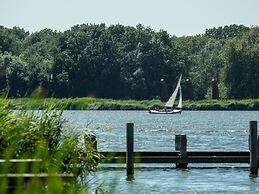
<point>181,157</point>
<point>22,173</point>
<point>175,157</point>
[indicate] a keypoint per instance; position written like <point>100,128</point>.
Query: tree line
<point>124,62</point>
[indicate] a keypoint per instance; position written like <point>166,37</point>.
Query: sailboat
<point>169,105</point>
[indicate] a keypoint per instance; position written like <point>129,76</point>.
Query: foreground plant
<point>40,136</point>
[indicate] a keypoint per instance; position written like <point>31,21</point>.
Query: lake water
<point>205,130</point>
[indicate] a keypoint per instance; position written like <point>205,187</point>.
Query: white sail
<point>170,102</point>
<point>180,103</point>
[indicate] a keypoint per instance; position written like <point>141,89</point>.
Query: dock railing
<point>181,157</point>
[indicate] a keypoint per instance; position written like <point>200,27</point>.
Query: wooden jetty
<point>21,173</point>
<point>181,157</point>
<point>175,157</point>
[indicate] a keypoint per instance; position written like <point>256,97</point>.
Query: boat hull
<point>173,111</point>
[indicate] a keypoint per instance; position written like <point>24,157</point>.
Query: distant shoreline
<point>110,104</point>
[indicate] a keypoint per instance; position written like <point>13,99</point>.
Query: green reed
<point>27,135</point>
<point>89,103</point>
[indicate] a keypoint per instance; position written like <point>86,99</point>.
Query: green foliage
<point>245,104</point>
<point>242,72</point>
<point>79,104</point>
<point>18,77</point>
<point>28,135</point>
<point>11,40</point>
<point>123,62</point>
<point>109,104</point>
<point>226,31</point>
<point>39,92</point>
<point>41,135</point>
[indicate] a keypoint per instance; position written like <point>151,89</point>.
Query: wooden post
<point>130,148</point>
<point>257,151</point>
<point>215,89</point>
<point>253,147</point>
<point>164,91</point>
<point>90,141</point>
<point>181,145</point>
<point>189,89</point>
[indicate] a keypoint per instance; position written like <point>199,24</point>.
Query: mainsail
<point>180,103</point>
<point>170,102</point>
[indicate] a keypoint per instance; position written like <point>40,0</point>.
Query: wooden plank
<point>196,159</point>
<point>18,165</point>
<point>175,153</point>
<point>177,159</point>
<point>13,178</point>
<point>20,161</point>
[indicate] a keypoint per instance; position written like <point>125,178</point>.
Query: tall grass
<point>40,136</point>
<point>110,104</point>
<point>245,104</point>
<point>79,104</point>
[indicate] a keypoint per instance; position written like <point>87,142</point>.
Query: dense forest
<point>123,62</point>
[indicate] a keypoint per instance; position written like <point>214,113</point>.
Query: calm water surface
<point>205,130</point>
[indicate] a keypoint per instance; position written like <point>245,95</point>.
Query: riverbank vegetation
<point>124,62</point>
<point>24,135</point>
<point>109,104</point>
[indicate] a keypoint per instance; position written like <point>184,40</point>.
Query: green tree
<point>86,54</point>
<point>20,78</point>
<point>226,31</point>
<point>11,40</point>
<point>242,72</point>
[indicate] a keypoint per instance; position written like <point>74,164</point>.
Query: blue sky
<point>177,17</point>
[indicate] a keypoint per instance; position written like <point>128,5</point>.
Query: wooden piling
<point>189,86</point>
<point>130,148</point>
<point>181,145</point>
<point>253,147</point>
<point>90,141</point>
<point>215,89</point>
<point>164,91</point>
<point>257,151</point>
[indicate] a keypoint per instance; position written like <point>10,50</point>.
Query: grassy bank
<point>109,104</point>
<point>246,104</point>
<point>80,103</point>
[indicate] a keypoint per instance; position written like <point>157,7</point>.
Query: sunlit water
<point>205,130</point>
